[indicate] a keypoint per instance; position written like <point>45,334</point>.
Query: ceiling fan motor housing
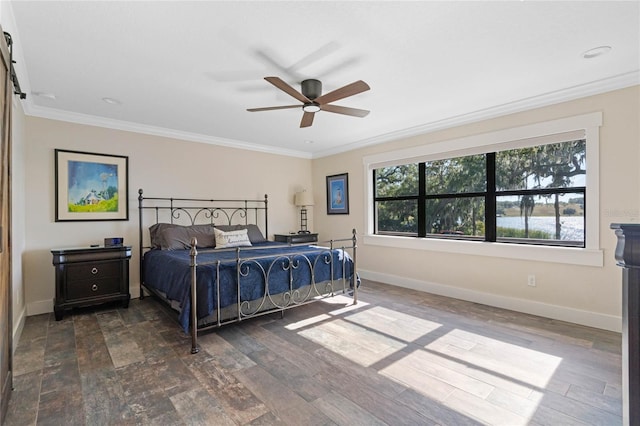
<point>311,88</point>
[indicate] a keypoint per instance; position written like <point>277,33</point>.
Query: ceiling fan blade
<point>343,92</point>
<point>268,56</point>
<point>340,66</point>
<point>316,55</point>
<point>276,81</point>
<point>273,107</point>
<point>355,112</point>
<point>307,119</point>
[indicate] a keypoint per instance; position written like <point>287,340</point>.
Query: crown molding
<point>576,92</point>
<point>92,120</point>
<point>564,95</point>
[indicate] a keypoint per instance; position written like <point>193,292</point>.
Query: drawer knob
<point>94,287</point>
<point>94,271</point>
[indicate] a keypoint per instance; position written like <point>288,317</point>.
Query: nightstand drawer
<point>93,270</point>
<point>92,288</point>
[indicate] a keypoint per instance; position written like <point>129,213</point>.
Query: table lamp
<point>303,199</point>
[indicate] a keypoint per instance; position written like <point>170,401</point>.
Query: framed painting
<point>338,194</point>
<point>91,186</point>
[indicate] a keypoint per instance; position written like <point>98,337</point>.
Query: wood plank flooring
<point>399,357</point>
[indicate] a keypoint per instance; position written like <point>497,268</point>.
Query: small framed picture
<point>91,186</point>
<point>338,194</point>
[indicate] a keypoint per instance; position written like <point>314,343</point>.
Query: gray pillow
<point>156,233</point>
<point>255,235</point>
<point>168,236</point>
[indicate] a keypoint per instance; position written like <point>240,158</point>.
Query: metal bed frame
<point>191,211</point>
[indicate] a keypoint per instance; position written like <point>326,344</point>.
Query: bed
<point>213,255</point>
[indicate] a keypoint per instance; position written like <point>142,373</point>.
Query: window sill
<point>566,255</point>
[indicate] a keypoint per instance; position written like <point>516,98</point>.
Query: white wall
<point>167,167</point>
<point>160,166</point>
<point>582,294</point>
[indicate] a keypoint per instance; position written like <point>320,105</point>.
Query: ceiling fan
<point>313,101</point>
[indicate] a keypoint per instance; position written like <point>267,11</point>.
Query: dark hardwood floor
<point>399,357</point>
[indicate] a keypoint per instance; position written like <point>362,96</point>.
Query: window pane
<point>455,175</point>
<point>558,165</point>
<point>397,216</point>
<point>397,181</point>
<point>557,217</point>
<point>455,216</point>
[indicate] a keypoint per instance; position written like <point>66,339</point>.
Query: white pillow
<point>237,238</point>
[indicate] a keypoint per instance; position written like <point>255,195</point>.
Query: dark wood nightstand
<point>90,275</point>
<point>296,238</point>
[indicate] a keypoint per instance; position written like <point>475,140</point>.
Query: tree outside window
<point>527,195</point>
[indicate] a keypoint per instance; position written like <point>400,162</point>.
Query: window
<point>578,201</point>
<point>397,199</point>
<point>525,195</point>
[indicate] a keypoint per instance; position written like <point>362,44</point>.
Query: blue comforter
<point>275,267</point>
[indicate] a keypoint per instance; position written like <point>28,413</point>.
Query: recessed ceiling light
<point>308,142</point>
<point>46,95</point>
<point>596,51</point>
<point>112,101</point>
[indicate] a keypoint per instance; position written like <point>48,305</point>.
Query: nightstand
<point>90,275</point>
<point>296,238</point>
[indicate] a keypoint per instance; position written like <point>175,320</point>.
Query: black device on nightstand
<point>296,238</point>
<point>90,275</point>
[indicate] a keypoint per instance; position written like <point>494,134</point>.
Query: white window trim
<point>591,255</point>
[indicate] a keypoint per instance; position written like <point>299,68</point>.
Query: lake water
<point>572,226</point>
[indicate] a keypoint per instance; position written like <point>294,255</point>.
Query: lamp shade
<point>303,198</point>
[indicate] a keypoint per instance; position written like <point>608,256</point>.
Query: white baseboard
<point>39,307</point>
<point>45,306</point>
<point>563,313</point>
<point>18,326</point>
<point>134,291</point>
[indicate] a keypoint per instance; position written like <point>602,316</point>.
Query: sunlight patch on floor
<point>486,378</point>
<point>307,322</point>
<point>352,341</point>
<point>397,325</point>
<point>525,365</point>
<point>343,304</point>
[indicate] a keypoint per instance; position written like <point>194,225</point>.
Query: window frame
<point>584,126</point>
<point>489,195</point>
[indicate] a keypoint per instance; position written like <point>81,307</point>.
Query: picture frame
<point>91,186</point>
<point>338,194</point>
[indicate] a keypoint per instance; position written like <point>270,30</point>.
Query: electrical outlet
<point>531,280</point>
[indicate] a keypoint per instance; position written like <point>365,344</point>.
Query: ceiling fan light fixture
<point>311,107</point>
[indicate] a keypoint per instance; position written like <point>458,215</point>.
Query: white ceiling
<point>190,69</point>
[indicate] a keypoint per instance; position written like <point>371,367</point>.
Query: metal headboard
<point>192,211</point>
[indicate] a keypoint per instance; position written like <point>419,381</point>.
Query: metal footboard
<point>269,303</point>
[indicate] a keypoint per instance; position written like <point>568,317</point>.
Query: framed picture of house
<point>338,194</point>
<point>91,186</point>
